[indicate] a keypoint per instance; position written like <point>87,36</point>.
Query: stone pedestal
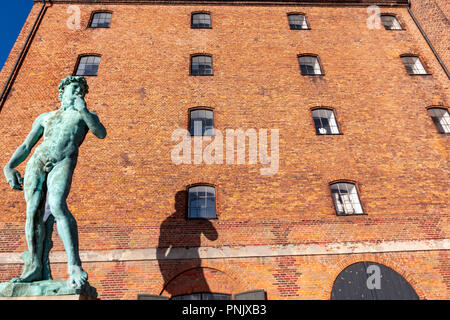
<point>45,290</point>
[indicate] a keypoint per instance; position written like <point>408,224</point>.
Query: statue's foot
<point>29,276</point>
<point>77,277</point>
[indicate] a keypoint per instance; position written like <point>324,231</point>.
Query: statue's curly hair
<point>68,80</point>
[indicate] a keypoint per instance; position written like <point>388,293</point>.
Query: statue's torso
<point>64,132</point>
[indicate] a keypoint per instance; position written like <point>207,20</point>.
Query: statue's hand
<point>14,179</point>
<point>79,103</point>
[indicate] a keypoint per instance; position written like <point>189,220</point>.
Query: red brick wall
<point>433,17</point>
<point>125,186</point>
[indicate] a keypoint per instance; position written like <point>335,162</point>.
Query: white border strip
<point>242,251</point>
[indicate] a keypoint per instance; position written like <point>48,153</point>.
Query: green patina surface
<point>44,288</point>
<point>46,185</point>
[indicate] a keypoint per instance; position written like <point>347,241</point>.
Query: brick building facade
<point>277,233</point>
<point>433,18</point>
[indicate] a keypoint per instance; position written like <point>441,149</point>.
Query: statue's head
<point>81,81</point>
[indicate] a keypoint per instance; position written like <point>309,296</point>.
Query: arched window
<point>297,21</point>
<point>413,64</point>
<point>201,20</point>
<point>309,65</point>
<point>346,199</point>
<point>101,20</point>
<point>201,65</point>
<point>325,121</point>
<point>88,65</point>
<point>390,22</point>
<point>202,202</point>
<point>201,122</point>
<point>440,118</point>
<point>371,281</point>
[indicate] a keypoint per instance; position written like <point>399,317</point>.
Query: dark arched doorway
<point>371,281</point>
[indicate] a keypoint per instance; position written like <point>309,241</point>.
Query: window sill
<point>329,134</point>
<point>419,74</point>
<point>202,135</point>
<point>313,75</point>
<point>85,75</point>
<point>215,218</point>
<point>351,214</point>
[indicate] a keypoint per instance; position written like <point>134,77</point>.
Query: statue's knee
<point>57,209</point>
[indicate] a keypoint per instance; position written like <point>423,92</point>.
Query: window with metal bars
<point>325,121</point>
<point>413,65</point>
<point>390,22</point>
<point>201,20</point>
<point>88,66</point>
<point>297,21</point>
<point>440,118</point>
<point>202,202</point>
<point>346,199</point>
<point>201,65</point>
<point>201,122</point>
<point>309,65</point>
<point>101,20</point>
<point>203,296</point>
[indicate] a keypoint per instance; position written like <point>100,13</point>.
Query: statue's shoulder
<point>42,118</point>
<point>46,114</point>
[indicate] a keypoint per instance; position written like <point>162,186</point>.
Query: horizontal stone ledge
<point>227,252</point>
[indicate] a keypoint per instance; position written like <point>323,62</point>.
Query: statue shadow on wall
<point>181,237</point>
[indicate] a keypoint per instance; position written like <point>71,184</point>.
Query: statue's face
<point>71,91</point>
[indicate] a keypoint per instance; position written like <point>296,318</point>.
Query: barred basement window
<point>101,20</point>
<point>441,119</point>
<point>390,22</point>
<point>203,296</point>
<point>346,199</point>
<point>202,202</point>
<point>201,65</point>
<point>297,21</point>
<point>201,20</point>
<point>325,121</point>
<point>201,122</point>
<point>309,65</point>
<point>88,66</point>
<point>413,65</point>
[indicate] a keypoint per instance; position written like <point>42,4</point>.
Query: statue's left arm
<point>91,119</point>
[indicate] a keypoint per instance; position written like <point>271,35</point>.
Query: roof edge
<point>242,2</point>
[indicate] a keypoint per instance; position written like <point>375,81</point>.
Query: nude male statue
<point>48,177</point>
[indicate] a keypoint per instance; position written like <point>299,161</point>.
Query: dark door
<point>371,281</point>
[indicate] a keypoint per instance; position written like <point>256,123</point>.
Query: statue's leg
<point>48,244</point>
<point>34,190</point>
<point>58,184</point>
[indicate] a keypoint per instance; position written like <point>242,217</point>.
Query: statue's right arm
<point>23,151</point>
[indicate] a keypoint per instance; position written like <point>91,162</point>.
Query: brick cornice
<point>242,2</point>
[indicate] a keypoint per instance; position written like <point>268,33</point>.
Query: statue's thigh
<point>33,185</point>
<point>59,181</point>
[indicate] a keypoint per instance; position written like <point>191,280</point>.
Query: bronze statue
<point>48,177</point>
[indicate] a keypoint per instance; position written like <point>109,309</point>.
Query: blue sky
<point>12,18</point>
